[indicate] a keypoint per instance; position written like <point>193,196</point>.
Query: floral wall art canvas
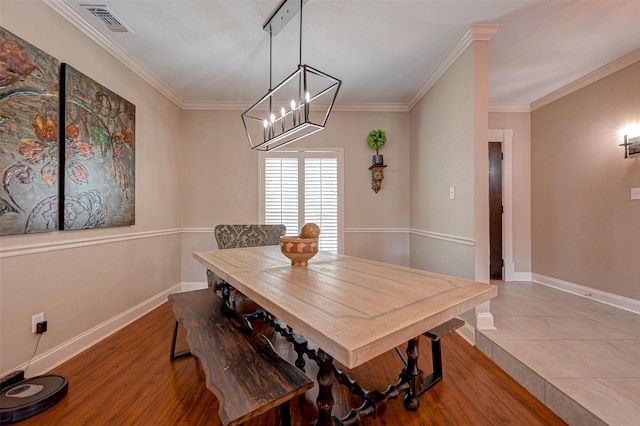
<point>29,137</point>
<point>99,154</point>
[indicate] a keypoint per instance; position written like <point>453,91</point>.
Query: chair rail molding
<point>42,247</point>
<point>376,230</point>
<point>466,241</point>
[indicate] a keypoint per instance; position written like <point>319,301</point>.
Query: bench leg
<point>285,414</point>
<point>436,376</point>
<point>175,355</point>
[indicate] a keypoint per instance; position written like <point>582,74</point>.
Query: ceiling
<point>214,52</point>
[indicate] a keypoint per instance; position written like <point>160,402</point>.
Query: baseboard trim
<point>589,293</point>
<point>511,275</point>
<point>468,333</point>
<point>67,350</point>
<point>192,286</point>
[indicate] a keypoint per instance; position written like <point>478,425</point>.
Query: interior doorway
<point>496,209</point>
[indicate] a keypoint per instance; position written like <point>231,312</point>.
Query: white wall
<point>81,279</point>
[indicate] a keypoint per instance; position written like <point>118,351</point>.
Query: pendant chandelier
<point>297,107</point>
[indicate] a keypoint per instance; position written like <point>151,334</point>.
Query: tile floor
<point>578,356</point>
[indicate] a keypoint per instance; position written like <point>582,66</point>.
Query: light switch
<point>635,193</point>
<point>452,192</point>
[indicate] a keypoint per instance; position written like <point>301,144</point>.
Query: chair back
<point>253,235</point>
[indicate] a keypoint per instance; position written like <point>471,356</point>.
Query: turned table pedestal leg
<point>412,375</point>
<point>325,384</point>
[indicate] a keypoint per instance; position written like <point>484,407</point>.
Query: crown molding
<point>509,108</point>
<point>442,67</point>
<point>477,32</point>
<point>373,107</point>
<point>87,28</point>
<point>63,9</point>
<point>484,32</point>
<point>346,107</point>
<point>584,81</point>
<point>215,106</point>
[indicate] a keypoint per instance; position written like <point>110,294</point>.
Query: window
<point>302,186</point>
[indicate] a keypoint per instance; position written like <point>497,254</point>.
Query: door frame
<point>505,136</point>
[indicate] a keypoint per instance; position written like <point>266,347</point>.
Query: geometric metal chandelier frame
<point>297,107</point>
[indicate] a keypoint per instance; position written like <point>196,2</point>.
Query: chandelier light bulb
<point>307,97</point>
<point>264,134</point>
<point>273,118</point>
<point>293,112</point>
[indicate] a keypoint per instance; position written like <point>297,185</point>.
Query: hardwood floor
<point>127,379</point>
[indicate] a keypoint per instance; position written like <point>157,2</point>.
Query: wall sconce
<point>631,146</point>
<point>377,174</point>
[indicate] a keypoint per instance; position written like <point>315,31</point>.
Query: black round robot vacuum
<point>29,397</point>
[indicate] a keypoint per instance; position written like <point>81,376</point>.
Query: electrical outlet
<point>35,320</point>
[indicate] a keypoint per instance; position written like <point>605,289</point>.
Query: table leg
<point>325,383</point>
<point>413,375</point>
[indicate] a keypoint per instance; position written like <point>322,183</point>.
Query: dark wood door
<point>495,210</point>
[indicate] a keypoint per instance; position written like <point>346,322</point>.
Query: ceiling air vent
<point>103,13</point>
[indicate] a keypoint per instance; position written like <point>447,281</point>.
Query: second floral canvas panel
<point>99,154</point>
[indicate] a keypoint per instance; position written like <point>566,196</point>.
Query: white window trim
<point>308,152</point>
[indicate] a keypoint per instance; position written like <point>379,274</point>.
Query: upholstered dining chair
<point>251,235</point>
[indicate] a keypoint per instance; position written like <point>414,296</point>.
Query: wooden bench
<point>241,367</point>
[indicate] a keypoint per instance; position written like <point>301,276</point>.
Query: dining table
<point>352,309</point>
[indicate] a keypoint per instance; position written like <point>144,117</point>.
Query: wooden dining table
<point>352,309</point>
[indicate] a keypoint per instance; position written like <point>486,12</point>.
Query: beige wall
<point>520,123</point>
<point>584,226</point>
<point>443,155</point>
<point>188,178</point>
<point>194,170</point>
<point>220,177</point>
<point>80,288</point>
<point>449,133</point>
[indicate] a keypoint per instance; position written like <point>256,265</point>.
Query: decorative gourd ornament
<point>310,230</point>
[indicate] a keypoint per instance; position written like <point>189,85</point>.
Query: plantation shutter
<point>301,187</point>
<point>321,199</point>
<point>281,193</point>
